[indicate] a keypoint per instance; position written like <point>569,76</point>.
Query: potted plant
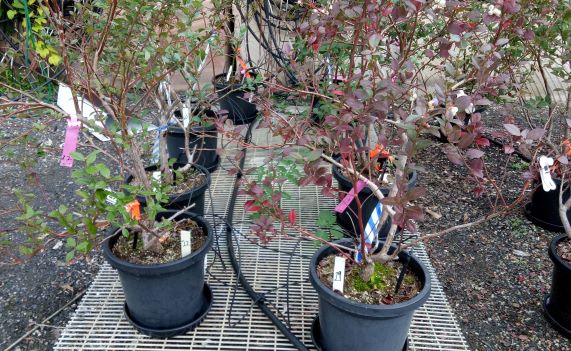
<point>202,136</point>
<point>235,91</point>
<point>549,168</point>
<point>118,65</point>
<point>369,287</point>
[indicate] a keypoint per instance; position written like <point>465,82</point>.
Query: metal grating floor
<point>234,323</point>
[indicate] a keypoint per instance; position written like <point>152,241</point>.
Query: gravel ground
<point>495,274</point>
<point>33,290</point>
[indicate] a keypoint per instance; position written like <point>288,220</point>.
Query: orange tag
<point>379,152</point>
<point>242,64</point>
<point>134,209</point>
<point>567,146</point>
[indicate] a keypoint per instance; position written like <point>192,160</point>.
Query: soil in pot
<point>345,324</point>
<point>124,249</point>
<point>564,251</point>
<point>379,289</point>
<point>557,305</point>
<point>189,187</point>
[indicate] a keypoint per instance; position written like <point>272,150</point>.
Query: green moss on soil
<point>379,289</point>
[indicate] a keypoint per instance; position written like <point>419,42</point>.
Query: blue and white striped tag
<point>371,234</point>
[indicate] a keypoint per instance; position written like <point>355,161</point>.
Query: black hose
<point>259,299</point>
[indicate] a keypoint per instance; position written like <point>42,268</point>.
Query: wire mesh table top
<point>278,269</point>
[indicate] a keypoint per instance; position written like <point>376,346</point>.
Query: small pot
<point>232,99</point>
<point>181,200</point>
<point>163,300</point>
<point>349,325</point>
<point>557,306</point>
<point>543,210</point>
<point>205,139</point>
<point>348,220</point>
<point>468,116</point>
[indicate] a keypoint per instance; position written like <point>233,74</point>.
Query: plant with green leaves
<point>119,61</point>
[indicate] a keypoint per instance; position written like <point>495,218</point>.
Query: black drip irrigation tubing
<point>258,298</point>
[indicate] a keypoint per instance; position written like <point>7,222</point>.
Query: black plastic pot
<point>543,210</point>
<point>163,300</point>
<point>205,139</point>
<point>468,116</point>
<point>232,99</point>
<point>181,200</point>
<point>348,220</point>
<point>349,325</point>
<point>557,305</point>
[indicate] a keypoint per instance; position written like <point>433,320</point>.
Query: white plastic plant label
<point>339,274</point>
<point>205,263</point>
<point>111,200</point>
<point>546,180</point>
<point>185,243</point>
<point>157,176</point>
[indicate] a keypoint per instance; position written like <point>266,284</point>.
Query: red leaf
<point>250,206</point>
<point>455,27</point>
<point>509,149</point>
<point>478,191</point>
<point>454,156</point>
<point>512,129</point>
<point>291,216</point>
<point>477,167</point>
<point>474,153</point>
<point>481,141</point>
<point>536,134</point>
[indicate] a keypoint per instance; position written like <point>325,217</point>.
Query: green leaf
<point>54,59</point>
<point>104,171</point>
<point>326,219</point>
<point>11,14</point>
<point>91,157</point>
<point>77,156</point>
<point>336,232</point>
<point>70,255</point>
<point>71,242</point>
<point>18,4</point>
<point>91,227</point>
<point>84,247</point>
<point>27,251</point>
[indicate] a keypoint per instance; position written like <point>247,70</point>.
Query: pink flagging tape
<point>70,143</point>
<point>342,206</point>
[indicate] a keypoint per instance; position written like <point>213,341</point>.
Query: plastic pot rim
<point>367,310</point>
<point>225,86</point>
<point>161,268</point>
<point>195,191</point>
<point>194,129</point>
<point>336,170</point>
<point>557,260</point>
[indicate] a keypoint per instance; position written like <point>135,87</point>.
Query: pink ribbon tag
<point>342,206</point>
<point>70,143</point>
